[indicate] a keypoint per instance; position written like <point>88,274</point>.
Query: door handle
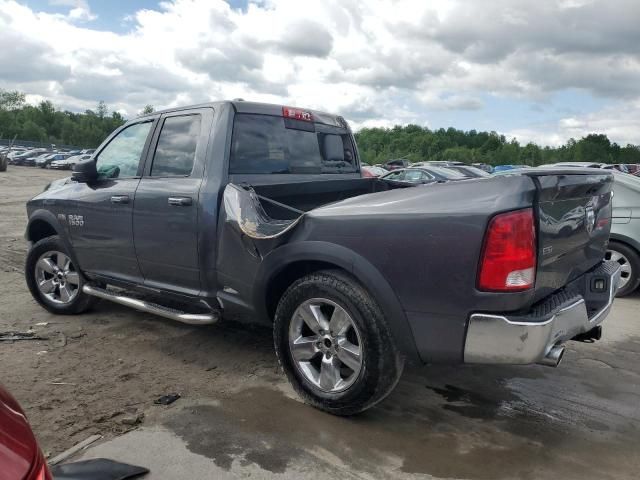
<point>120,199</point>
<point>180,201</point>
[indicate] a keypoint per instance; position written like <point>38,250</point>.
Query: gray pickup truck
<point>258,212</point>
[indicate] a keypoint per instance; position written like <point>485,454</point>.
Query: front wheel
<point>629,266</point>
<point>53,279</point>
<point>334,345</point>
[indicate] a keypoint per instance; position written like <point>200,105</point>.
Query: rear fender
<point>328,253</point>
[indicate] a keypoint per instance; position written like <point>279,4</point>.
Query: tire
<point>3,165</point>
<point>629,261</point>
<point>364,379</point>
<point>53,280</point>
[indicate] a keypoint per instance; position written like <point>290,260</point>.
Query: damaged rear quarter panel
<point>423,242</point>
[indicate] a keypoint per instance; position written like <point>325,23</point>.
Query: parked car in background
<point>413,175</point>
<point>502,168</point>
<point>44,162</point>
<point>483,166</point>
<point>470,171</point>
<point>38,159</point>
<point>373,171</point>
<point>633,167</point>
<point>436,163</point>
<point>396,164</point>
<point>621,167</point>
<point>26,158</point>
<point>577,164</point>
<point>20,455</point>
<point>13,154</point>
<point>624,244</point>
<point>68,163</point>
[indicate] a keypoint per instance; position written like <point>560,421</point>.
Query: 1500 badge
<point>75,220</point>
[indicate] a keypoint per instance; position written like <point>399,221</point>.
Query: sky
<point>542,71</point>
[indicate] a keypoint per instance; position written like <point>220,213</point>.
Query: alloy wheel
<point>325,345</point>
<point>626,273</point>
<point>56,278</point>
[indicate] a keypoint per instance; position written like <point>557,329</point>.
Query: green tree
<point>531,155</point>
<point>32,131</point>
<point>593,148</point>
<point>102,109</point>
<point>147,110</point>
<point>11,100</point>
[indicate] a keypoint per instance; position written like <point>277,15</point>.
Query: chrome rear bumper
<point>509,339</point>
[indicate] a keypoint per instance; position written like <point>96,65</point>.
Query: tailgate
<point>574,214</point>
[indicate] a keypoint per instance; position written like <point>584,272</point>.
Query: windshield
<point>269,144</point>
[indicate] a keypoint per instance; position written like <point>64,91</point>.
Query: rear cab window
<point>176,149</point>
<point>268,144</point>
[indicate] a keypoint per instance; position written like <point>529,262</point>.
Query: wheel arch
<point>43,224</point>
<point>629,242</point>
<point>283,266</point>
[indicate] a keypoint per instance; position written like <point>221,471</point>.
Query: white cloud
<point>79,9</point>
<point>620,122</point>
<point>377,62</point>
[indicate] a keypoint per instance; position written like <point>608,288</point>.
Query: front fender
<point>375,283</point>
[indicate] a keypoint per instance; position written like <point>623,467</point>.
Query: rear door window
<point>268,144</point>
<point>176,150</point>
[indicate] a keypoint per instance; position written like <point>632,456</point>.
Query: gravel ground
<point>97,372</point>
<point>100,372</point>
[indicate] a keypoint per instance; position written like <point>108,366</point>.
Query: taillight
<point>508,261</point>
<point>297,114</point>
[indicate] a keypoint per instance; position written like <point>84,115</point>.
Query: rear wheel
<point>53,279</point>
<point>629,267</point>
<point>334,344</point>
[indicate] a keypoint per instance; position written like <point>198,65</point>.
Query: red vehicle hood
<point>18,447</point>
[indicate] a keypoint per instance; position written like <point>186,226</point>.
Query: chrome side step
<point>148,307</point>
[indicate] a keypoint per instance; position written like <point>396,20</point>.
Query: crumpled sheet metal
<point>243,208</point>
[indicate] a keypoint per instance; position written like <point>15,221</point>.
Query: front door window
<point>121,157</point>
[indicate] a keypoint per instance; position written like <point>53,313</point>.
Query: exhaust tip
<point>553,357</point>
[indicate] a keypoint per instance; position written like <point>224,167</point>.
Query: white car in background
<point>68,163</point>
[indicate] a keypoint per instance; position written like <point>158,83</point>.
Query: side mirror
<point>85,171</point>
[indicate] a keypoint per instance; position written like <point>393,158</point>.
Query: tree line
<point>44,123</point>
<point>415,143</point>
